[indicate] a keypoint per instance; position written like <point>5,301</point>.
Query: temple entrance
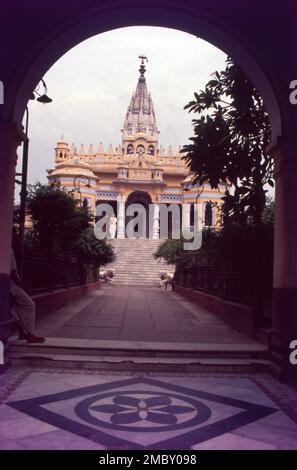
<point>138,215</point>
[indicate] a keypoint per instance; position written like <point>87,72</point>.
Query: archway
<point>220,31</point>
<point>101,20</point>
<point>139,199</point>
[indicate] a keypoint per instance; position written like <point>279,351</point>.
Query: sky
<point>92,84</point>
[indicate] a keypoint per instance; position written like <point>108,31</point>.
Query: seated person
<point>22,306</point>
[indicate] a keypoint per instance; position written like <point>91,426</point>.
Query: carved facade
<point>138,170</point>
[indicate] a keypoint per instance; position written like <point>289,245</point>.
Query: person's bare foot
<point>35,339</point>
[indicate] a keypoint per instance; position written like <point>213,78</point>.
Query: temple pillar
<point>121,217</point>
<point>199,216</point>
<point>10,138</point>
<point>284,316</point>
<point>186,212</point>
<point>156,222</point>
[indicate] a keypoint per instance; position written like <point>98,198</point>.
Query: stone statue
<point>113,226</point>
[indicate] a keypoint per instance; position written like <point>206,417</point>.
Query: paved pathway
<point>139,314</point>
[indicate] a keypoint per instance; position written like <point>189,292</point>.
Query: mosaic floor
<point>56,409</point>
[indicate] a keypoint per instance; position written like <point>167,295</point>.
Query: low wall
<point>239,316</point>
<point>47,302</point>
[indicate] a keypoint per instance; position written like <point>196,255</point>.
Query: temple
<point>136,171</point>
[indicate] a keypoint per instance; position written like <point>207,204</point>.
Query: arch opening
<point>138,200</point>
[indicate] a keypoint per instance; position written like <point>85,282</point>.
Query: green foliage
<point>93,252</point>
<point>228,146</point>
<point>170,251</point>
<point>247,249</point>
<point>268,212</point>
<point>61,226</point>
<point>56,218</point>
<point>173,253</point>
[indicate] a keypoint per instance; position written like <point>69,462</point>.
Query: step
<point>143,264</point>
<point>140,364</point>
<point>135,259</point>
<point>127,277</point>
<point>141,356</point>
<point>140,269</point>
<point>135,264</point>
<point>134,282</point>
<point>137,276</point>
<point>75,346</point>
<point>137,272</point>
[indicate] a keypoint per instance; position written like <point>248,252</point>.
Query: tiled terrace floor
<point>58,409</point>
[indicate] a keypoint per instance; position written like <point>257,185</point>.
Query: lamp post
<point>77,183</point>
<point>210,217</point>
<point>187,187</point>
<point>42,98</point>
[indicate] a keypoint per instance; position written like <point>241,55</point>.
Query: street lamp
<point>77,183</point>
<point>187,187</point>
<point>42,98</point>
<point>209,214</point>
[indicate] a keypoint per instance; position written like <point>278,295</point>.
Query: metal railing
<point>224,283</point>
<point>42,272</point>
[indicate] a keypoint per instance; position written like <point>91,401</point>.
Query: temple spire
<point>140,116</point>
<point>142,68</point>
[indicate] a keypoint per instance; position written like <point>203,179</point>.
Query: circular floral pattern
<point>142,411</point>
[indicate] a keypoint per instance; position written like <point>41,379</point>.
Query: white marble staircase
<point>135,264</point>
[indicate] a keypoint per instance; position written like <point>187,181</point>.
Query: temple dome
<point>73,167</point>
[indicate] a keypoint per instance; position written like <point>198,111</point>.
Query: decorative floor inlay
<point>143,413</point>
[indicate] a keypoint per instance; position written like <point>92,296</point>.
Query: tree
<point>172,251</point>
<point>56,218</point>
<point>246,250</point>
<point>92,252</point>
<point>230,137</point>
<point>61,226</point>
